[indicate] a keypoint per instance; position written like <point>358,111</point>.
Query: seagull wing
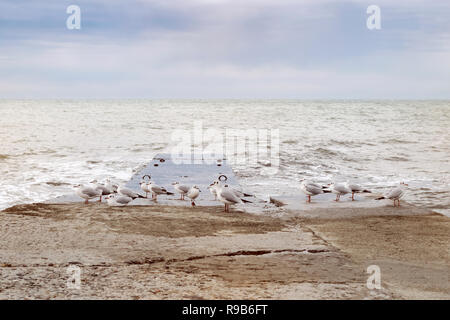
<point>395,193</point>
<point>123,200</point>
<point>313,188</point>
<point>128,192</point>
<point>184,188</point>
<point>229,196</point>
<point>90,192</point>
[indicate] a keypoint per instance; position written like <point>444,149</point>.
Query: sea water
<point>47,146</point>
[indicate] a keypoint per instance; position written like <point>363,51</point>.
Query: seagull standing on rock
<point>395,194</point>
<point>144,187</point>
<point>87,192</point>
<point>157,190</point>
<point>182,189</point>
<point>111,186</point>
<point>355,188</point>
<point>212,188</point>
<point>228,197</point>
<point>339,189</point>
<point>310,189</point>
<point>118,201</point>
<point>124,191</point>
<point>193,193</point>
<point>105,191</point>
<point>217,185</point>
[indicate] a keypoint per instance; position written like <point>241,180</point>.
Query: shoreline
<point>174,252</point>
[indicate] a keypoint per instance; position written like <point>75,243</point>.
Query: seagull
<point>144,187</point>
<point>87,192</point>
<point>156,190</point>
<point>124,191</point>
<point>228,197</point>
<point>339,189</point>
<point>212,188</point>
<point>111,186</point>
<point>217,184</point>
<point>119,200</point>
<point>395,194</point>
<point>355,188</point>
<point>105,191</point>
<point>182,189</point>
<point>310,189</point>
<point>193,193</point>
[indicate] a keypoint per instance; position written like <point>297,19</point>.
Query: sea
<point>47,146</point>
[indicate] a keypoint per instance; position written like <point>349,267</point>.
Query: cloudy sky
<point>225,49</point>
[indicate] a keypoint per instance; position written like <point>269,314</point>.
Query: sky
<point>255,49</point>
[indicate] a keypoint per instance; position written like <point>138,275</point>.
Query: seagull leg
<point>398,201</point>
<point>353,196</point>
<point>86,201</point>
<point>193,203</point>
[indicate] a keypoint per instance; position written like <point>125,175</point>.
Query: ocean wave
<point>397,141</point>
<point>290,141</point>
<point>396,158</point>
<point>350,143</point>
<point>327,152</point>
<point>57,183</point>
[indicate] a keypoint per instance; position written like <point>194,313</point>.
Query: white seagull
<point>228,197</point>
<point>217,184</point>
<point>339,190</point>
<point>395,194</point>
<point>111,186</point>
<point>87,192</point>
<point>212,188</point>
<point>145,187</point>
<point>118,200</point>
<point>355,188</point>
<point>193,193</point>
<point>182,189</point>
<point>124,191</point>
<point>310,189</point>
<point>99,186</point>
<point>157,190</point>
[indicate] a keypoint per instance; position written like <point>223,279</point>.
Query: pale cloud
<point>227,48</point>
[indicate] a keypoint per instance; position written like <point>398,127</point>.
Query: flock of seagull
<point>119,195</point>
<point>310,189</point>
